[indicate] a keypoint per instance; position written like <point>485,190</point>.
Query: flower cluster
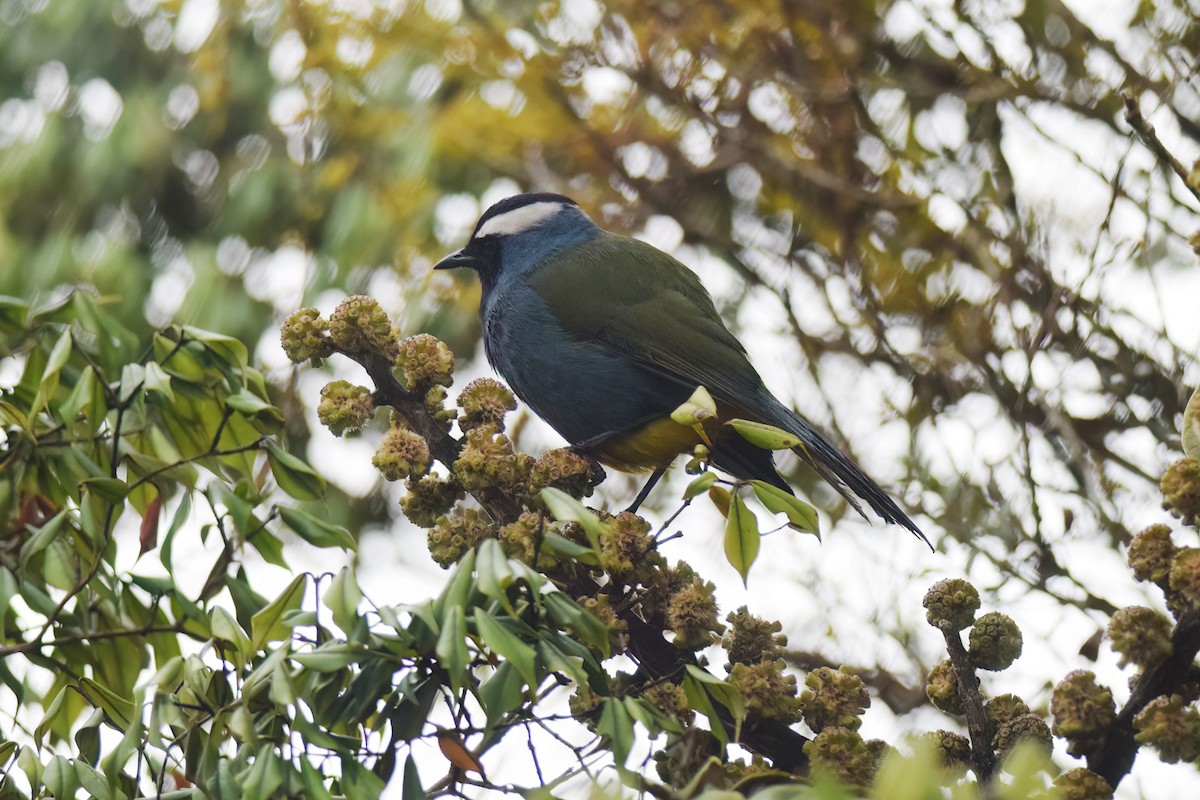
<point>951,603</point>
<point>1082,784</point>
<point>941,687</point>
<point>624,545</point>
<point>402,454</point>
<point>455,534</point>
<point>692,614</point>
<point>995,641</point>
<point>429,498</point>
<point>422,362</point>
<point>344,407</point>
<point>834,698</point>
<point>1180,486</point>
<point>767,691</point>
<point>752,638</point>
<point>305,335</point>
<point>485,401</point>
<point>1171,726</point>
<point>563,469</point>
<point>843,754</point>
<point>1141,635</point>
<point>1082,710</point>
<point>488,461</point>
<point>358,325</point>
<point>1151,553</point>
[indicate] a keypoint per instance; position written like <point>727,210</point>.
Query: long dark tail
<point>839,471</point>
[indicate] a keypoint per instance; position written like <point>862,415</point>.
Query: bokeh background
<point>929,222</point>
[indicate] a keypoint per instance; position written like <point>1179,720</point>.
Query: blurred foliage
<point>876,172</point>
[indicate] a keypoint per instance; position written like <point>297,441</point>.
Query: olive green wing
<point>655,311</point>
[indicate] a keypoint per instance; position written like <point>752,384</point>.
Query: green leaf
<point>458,590</point>
<point>565,508</point>
<point>357,780</point>
<point>742,538</point>
<point>61,566</point>
<point>59,777</point>
<point>768,437</point>
<point>494,574</point>
<point>301,618</point>
<point>51,714</point>
<point>331,656</point>
<point>226,629</point>
<point>566,613</point>
<point>87,738</point>
<point>617,726</point>
<point>315,530</point>
<point>133,379</point>
<point>294,476</point>
<point>696,409</point>
<point>317,736</point>
<point>157,380</point>
<point>119,709</point>
<point>267,625</point>
<point>917,776</point>
<point>265,417</point>
<point>503,642</point>
<point>92,780</point>
<point>800,514</point>
<point>699,485</point>
<point>572,550</point>
<point>720,691</point>
<point>650,718</point>
<point>168,542</point>
<point>411,787</point>
<point>342,599</point>
<point>228,349</point>
<point>1191,426</point>
<point>86,400</point>
<point>699,701</point>
<point>50,373</point>
<point>248,403</point>
<point>451,646</point>
<point>107,488</point>
<point>42,539</point>
<point>418,694</point>
<point>313,782</point>
<point>268,546</point>
<point>502,692</point>
<point>264,776</point>
<point>264,673</point>
<point>118,756</point>
<point>28,761</point>
<point>282,691</point>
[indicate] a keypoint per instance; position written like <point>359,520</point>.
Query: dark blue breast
<point>581,389</point>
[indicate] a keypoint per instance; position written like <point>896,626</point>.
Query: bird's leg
<point>645,492</point>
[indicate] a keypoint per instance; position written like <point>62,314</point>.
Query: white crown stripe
<point>519,219</point>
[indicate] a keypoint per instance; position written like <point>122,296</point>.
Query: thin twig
<point>1145,131</point>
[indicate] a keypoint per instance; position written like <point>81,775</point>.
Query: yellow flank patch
<point>652,446</point>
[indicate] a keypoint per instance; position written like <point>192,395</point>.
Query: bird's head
<point>519,233</point>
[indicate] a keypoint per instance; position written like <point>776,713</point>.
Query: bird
<point>603,336</point>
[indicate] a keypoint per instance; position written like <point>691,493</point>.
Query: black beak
<point>459,258</point>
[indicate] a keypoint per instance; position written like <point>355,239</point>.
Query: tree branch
<point>1113,759</point>
<point>978,727</point>
<point>1146,132</point>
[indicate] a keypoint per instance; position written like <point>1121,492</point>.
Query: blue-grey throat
<point>603,336</point>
